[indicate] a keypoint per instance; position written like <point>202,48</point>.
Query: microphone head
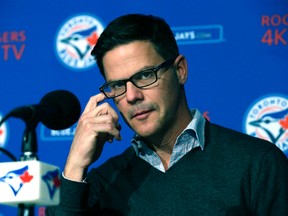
<point>67,109</point>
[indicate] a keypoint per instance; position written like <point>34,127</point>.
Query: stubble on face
<point>148,113</point>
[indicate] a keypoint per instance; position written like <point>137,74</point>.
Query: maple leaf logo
<point>92,39</point>
<point>56,182</point>
<point>284,123</point>
<point>26,177</point>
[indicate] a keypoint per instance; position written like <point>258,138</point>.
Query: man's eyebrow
<point>138,71</point>
<point>145,68</point>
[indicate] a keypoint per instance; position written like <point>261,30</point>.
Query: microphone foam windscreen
<point>67,109</point>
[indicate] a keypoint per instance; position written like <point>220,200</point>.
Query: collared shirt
<point>191,137</point>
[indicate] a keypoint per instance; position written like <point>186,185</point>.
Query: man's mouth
<point>141,114</point>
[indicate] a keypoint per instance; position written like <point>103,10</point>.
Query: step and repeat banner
<point>237,54</point>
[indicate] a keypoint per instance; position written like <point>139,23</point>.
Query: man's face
<point>148,111</point>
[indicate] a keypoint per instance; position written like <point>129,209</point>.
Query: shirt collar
<point>195,128</point>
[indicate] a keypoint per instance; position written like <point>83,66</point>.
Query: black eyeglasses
<point>140,80</point>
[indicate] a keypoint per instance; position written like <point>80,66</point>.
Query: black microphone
<point>57,110</point>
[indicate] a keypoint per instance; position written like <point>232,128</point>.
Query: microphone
<point>30,182</point>
<point>57,110</point>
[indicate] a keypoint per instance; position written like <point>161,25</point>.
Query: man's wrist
<point>74,174</point>
<point>82,181</point>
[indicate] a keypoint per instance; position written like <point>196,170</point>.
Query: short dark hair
<point>136,27</point>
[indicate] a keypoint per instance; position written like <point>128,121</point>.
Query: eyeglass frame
<point>166,63</point>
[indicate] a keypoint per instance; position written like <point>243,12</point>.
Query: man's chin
<point>144,130</point>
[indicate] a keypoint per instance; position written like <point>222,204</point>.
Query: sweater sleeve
<point>270,187</point>
<point>73,199</point>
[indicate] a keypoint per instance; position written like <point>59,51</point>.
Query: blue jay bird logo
<point>16,179</point>
<point>52,181</point>
<point>268,119</point>
<point>274,124</point>
<point>75,40</point>
<point>82,41</point>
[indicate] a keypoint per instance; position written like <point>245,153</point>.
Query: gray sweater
<point>234,175</point>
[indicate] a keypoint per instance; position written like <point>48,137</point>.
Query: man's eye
<point>144,75</point>
<point>116,85</point>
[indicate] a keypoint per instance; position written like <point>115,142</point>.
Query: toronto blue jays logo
<point>75,40</point>
<point>268,119</point>
<point>52,181</point>
<point>17,178</point>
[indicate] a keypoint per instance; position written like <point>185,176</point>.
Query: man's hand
<point>97,124</point>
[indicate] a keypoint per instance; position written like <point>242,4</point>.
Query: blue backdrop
<point>237,53</point>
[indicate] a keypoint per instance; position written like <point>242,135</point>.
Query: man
<point>179,163</point>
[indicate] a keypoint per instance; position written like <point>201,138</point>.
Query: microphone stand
<point>29,152</point>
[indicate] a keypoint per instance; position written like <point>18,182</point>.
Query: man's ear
<point>181,68</point>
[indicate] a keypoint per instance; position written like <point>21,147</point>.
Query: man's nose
<point>133,93</point>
